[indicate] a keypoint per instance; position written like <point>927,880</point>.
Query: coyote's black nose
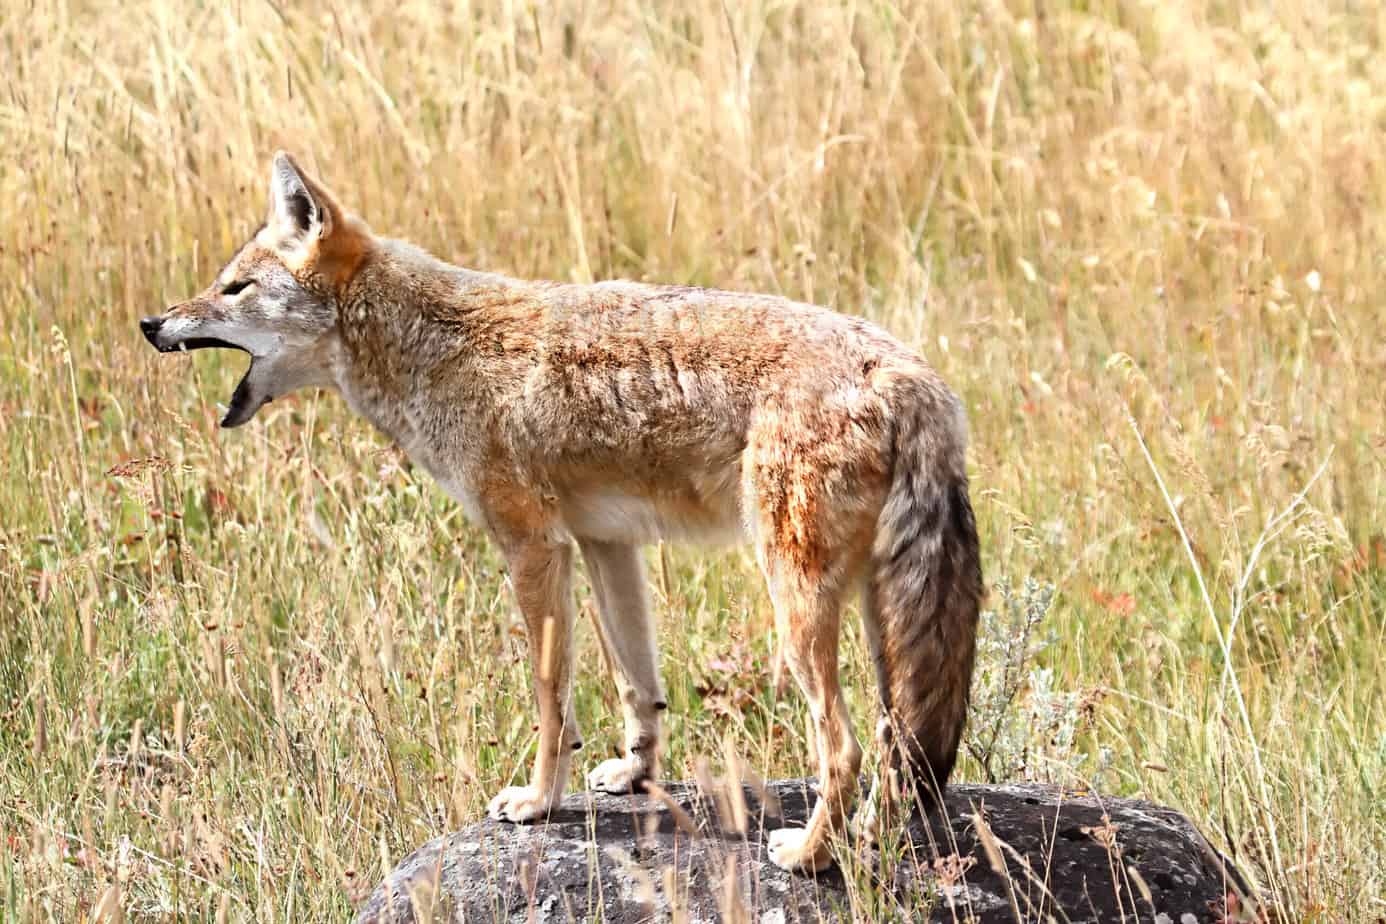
<point>150,328</point>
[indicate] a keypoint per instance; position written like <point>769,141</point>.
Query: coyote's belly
<point>611,516</point>
<point>683,507</point>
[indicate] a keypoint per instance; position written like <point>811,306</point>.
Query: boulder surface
<point>1038,853</point>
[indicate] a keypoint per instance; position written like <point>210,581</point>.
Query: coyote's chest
<point>438,450</point>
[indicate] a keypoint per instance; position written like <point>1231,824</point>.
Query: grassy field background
<point>1145,241</point>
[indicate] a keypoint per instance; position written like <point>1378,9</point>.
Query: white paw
<point>787,851</point>
<point>865,825</point>
<point>518,803</point>
<point>617,776</point>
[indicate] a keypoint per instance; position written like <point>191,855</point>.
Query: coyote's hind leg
<point>813,482</point>
<point>808,620</point>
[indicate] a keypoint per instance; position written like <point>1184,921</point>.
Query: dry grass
<point>241,671</point>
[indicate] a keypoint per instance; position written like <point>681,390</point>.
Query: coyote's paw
<point>518,803</point>
<point>788,851</point>
<point>865,825</point>
<point>618,776</point>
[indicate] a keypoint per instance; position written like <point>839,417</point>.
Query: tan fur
<point>616,414</point>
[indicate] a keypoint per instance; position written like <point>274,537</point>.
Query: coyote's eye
<point>237,287</point>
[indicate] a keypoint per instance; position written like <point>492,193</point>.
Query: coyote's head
<point>278,297</point>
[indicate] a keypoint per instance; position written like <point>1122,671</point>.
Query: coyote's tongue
<point>244,402</point>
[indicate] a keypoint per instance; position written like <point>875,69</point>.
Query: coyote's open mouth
<point>200,343</point>
<point>245,400</point>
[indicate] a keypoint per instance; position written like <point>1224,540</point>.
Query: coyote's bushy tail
<point>925,589</point>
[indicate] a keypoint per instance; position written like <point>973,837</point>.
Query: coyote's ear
<point>300,209</point>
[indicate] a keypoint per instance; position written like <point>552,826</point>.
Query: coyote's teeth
<point>183,347</point>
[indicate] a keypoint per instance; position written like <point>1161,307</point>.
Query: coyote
<point>612,415</point>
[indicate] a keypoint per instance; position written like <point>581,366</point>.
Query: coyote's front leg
<point>541,570</point>
<point>627,633</point>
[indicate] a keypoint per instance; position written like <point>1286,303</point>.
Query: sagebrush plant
<point>245,672</point>
<point>1021,727</point>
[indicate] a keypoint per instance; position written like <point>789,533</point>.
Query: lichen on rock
<point>1063,854</point>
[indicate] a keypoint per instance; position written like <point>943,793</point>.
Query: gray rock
<point>1066,856</point>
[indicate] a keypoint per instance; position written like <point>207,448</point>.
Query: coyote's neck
<point>421,339</point>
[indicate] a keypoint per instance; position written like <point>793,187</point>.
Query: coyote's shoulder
<point>602,417</point>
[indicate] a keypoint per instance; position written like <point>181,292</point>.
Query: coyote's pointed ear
<point>300,209</point>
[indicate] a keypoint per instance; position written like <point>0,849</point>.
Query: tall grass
<point>243,672</point>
